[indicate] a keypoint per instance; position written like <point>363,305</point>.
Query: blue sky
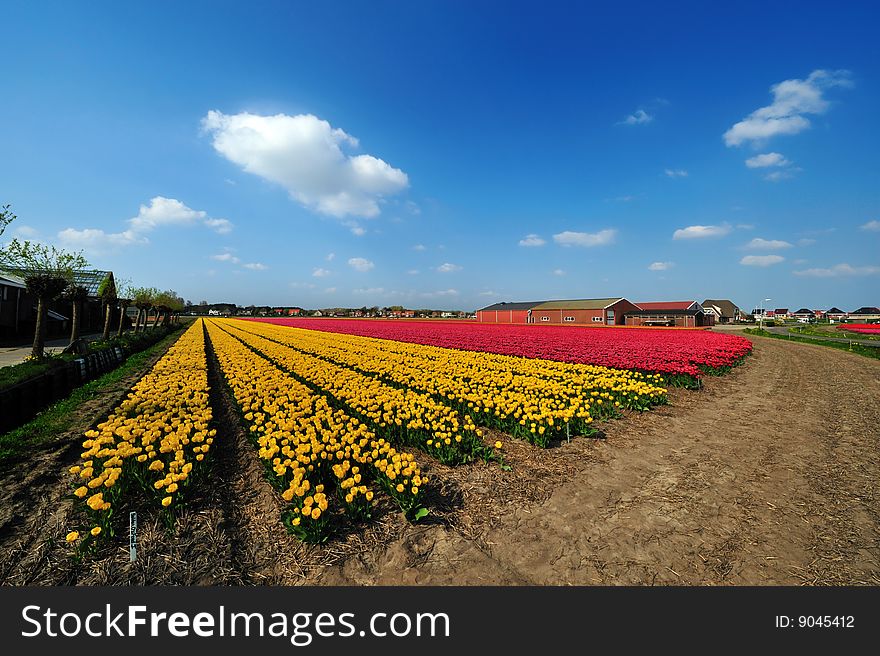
<point>450,154</point>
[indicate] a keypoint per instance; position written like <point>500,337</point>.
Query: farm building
<point>835,314</point>
<point>804,314</point>
<point>592,311</point>
<point>724,311</point>
<point>685,314</point>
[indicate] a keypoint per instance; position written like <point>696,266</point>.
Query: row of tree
<point>49,274</point>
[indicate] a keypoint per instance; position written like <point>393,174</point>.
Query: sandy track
<point>767,476</point>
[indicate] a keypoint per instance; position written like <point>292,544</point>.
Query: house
<point>865,313</point>
<point>685,314</point>
<point>723,310</point>
<point>804,315</point>
<point>781,313</point>
<point>590,311</point>
<point>835,314</point>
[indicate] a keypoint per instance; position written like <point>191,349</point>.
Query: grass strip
<point>867,351</point>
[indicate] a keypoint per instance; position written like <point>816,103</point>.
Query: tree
<point>107,294</point>
<point>142,298</point>
<point>47,272</point>
<point>76,294</point>
<point>124,292</point>
<point>6,217</point>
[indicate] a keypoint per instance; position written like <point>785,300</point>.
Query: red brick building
<point>683,314</point>
<point>592,312</point>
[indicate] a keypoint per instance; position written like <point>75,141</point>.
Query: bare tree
<point>76,294</point>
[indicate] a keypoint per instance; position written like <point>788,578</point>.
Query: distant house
<point>781,313</point>
<point>723,310</point>
<point>866,313</point>
<point>804,314</point>
<point>835,314</point>
<point>685,314</point>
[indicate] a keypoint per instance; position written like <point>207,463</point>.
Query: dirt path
<point>767,476</point>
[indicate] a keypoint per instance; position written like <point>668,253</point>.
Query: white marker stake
<point>132,536</point>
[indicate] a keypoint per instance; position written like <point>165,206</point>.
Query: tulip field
<point>681,356</point>
<point>341,414</point>
<point>862,328</point>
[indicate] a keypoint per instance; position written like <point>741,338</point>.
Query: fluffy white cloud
<point>676,173</point>
<point>360,264</point>
<point>26,232</point>
<point>330,257</point>
<point>785,115</point>
<point>761,260</point>
<point>159,213</point>
<point>758,244</point>
<point>320,273</point>
<point>448,267</point>
<point>586,239</point>
<point>531,240</point>
<point>701,231</point>
<point>307,156</point>
<point>638,117</point>
<point>784,174</point>
<point>840,270</point>
<point>255,266</point>
<point>871,226</point>
<point>765,160</point>
<point>660,266</point>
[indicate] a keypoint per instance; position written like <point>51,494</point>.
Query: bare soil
<point>767,476</point>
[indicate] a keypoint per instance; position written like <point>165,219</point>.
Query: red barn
<point>591,311</point>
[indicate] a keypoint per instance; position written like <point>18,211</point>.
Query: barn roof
<point>866,310</point>
<point>579,304</point>
<point>727,308</point>
<point>668,305</point>
<point>835,310</point>
<point>803,311</point>
<point>90,280</point>
<point>504,305</point>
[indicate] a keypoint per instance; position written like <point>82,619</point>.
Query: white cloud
<point>159,213</point>
<point>360,264</point>
<point>220,226</point>
<point>255,266</point>
<point>660,266</point>
<point>806,242</point>
<point>26,232</point>
<point>330,290</point>
<point>744,226</point>
<point>419,247</point>
<point>586,239</point>
<point>761,260</point>
<point>785,174</point>
<point>356,229</point>
<point>307,156</point>
<point>412,272</point>
<point>321,273</point>
<point>676,173</point>
<point>488,293</point>
<point>369,290</point>
<point>448,267</point>
<point>701,231</point>
<point>226,257</point>
<point>531,240</point>
<point>765,160</point>
<point>871,226</point>
<point>330,257</point>
<point>840,270</point>
<point>412,208</point>
<point>758,244</point>
<point>441,293</point>
<point>558,272</point>
<point>785,115</point>
<point>638,117</point>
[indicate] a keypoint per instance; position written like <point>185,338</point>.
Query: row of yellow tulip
<point>534,399</point>
<point>321,459</point>
<point>402,416</point>
<point>152,441</point>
